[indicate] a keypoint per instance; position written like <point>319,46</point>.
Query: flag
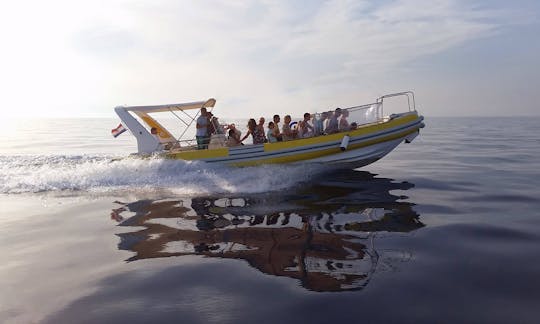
<point>118,130</point>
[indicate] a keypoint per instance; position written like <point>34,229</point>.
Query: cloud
<point>281,57</point>
<point>259,55</point>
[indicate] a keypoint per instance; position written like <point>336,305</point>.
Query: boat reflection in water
<point>322,234</point>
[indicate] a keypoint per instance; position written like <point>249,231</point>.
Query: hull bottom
<point>359,157</point>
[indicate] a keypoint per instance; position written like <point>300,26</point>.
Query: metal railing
<point>408,94</point>
<point>379,104</point>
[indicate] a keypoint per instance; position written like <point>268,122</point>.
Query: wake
<point>100,173</point>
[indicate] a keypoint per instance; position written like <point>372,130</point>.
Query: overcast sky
<point>82,58</point>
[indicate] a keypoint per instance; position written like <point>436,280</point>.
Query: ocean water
<point>445,229</point>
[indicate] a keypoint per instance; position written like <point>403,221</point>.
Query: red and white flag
<point>118,130</point>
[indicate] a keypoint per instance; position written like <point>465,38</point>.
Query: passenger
<point>154,133</point>
<point>214,126</point>
<point>237,132</point>
<point>233,140</point>
<point>354,126</point>
<point>318,124</point>
<point>325,116</point>
<point>287,133</point>
<point>270,134</point>
<point>343,123</point>
<point>277,134</point>
<point>333,125</point>
<point>305,129</point>
<point>329,115</point>
<point>202,130</point>
<point>252,127</point>
<point>258,136</point>
<point>220,129</point>
<point>299,129</point>
<point>211,128</point>
<point>261,123</point>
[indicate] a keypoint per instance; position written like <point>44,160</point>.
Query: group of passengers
<point>328,122</point>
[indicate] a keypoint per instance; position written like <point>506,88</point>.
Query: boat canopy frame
<point>210,103</point>
<point>146,142</point>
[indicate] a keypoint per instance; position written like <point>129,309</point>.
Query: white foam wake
<point>19,174</point>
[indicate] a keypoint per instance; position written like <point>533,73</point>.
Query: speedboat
<point>373,135</point>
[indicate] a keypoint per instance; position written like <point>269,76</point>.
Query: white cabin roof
<point>180,106</point>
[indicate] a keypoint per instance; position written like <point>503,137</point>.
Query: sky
<point>257,58</point>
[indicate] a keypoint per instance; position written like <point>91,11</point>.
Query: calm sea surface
<point>443,230</point>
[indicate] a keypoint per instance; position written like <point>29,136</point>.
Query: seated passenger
<point>154,133</point>
<point>277,134</point>
<point>237,132</point>
<point>318,123</point>
<point>343,123</point>
<point>333,125</point>
<point>261,126</point>
<point>354,126</point>
<point>305,129</point>
<point>287,133</point>
<point>270,135</point>
<point>232,140</point>
<point>329,115</point>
